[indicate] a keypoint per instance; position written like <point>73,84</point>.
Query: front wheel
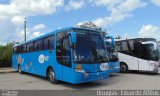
<point>52,77</point>
<point>123,68</point>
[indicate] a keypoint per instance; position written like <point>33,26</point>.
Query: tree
<point>6,54</point>
<point>91,25</point>
<point>118,37</point>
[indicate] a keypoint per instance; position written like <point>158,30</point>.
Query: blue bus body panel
<point>32,64</point>
<point>114,67</point>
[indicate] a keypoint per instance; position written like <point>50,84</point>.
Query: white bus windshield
<point>152,52</point>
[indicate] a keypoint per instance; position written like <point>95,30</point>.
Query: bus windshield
<point>152,51</point>
<point>90,48</point>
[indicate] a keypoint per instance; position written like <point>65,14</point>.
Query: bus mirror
<point>73,37</point>
<point>112,39</point>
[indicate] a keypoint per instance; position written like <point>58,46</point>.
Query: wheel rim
<point>19,69</point>
<point>51,75</point>
<point>123,68</point>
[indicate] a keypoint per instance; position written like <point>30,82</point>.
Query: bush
<point>6,54</point>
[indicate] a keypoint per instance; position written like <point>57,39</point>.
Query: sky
<point>125,18</point>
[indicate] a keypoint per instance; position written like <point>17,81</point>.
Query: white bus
<point>141,54</point>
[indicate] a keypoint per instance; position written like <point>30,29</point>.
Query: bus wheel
<point>123,68</point>
<point>19,69</point>
<point>51,76</point>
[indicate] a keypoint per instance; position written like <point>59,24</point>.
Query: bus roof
<point>137,39</point>
<point>56,31</point>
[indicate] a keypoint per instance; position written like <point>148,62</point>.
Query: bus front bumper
<point>88,77</point>
<point>114,70</point>
<point>114,67</point>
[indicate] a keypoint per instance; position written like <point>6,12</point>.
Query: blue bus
<point>114,65</point>
<point>74,55</point>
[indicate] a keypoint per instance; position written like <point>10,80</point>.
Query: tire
<point>123,68</point>
<point>52,77</point>
<point>19,69</point>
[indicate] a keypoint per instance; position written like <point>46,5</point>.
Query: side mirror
<point>73,37</point>
<point>112,38</point>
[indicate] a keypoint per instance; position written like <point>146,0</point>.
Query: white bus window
<point>124,46</point>
<point>131,43</point>
<point>118,47</point>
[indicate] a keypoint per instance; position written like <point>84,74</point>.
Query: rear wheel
<point>52,76</point>
<point>123,68</point>
<point>19,69</point>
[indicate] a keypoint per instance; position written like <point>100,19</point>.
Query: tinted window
<point>118,46</point>
<point>38,45</point>
<point>59,52</point>
<point>124,46</point>
<point>15,50</point>
<point>19,49</point>
<point>48,43</point>
<point>66,52</point>
<point>131,43</point>
<point>30,47</point>
<point>24,48</point>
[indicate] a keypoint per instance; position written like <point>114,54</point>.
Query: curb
<point>7,70</point>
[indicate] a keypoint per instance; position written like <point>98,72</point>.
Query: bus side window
<point>24,47</point>
<point>51,42</point>
<point>38,45</point>
<point>131,43</point>
<point>48,43</point>
<point>30,47</point>
<point>19,49</point>
<point>66,52</point>
<point>124,46</point>
<point>138,49</point>
<point>118,46</point>
<point>15,50</point>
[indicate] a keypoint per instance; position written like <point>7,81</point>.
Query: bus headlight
<point>152,64</point>
<point>155,64</point>
<point>80,70</point>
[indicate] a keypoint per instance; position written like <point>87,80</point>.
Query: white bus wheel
<point>123,68</point>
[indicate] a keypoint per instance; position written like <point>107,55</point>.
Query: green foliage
<point>91,25</point>
<point>118,37</point>
<point>6,51</point>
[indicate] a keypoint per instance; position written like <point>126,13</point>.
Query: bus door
<point>129,56</point>
<point>64,68</point>
<point>66,58</point>
<point>142,56</point>
<point>134,59</point>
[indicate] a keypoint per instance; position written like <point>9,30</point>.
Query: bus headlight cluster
<point>79,69</point>
<point>152,64</point>
<point>156,64</point>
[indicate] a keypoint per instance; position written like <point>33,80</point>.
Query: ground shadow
<point>142,73</point>
<point>81,86</point>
